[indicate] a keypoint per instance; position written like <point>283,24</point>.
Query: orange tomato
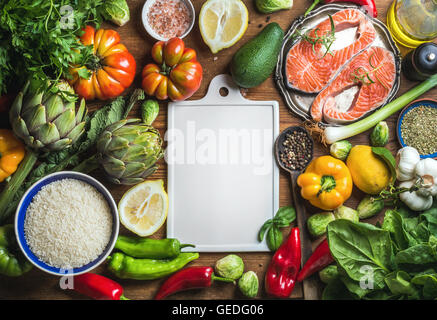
<point>112,67</point>
<point>176,74</point>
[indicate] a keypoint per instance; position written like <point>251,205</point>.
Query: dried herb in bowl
<point>419,129</point>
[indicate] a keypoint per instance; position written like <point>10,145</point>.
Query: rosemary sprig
<point>364,77</point>
<point>326,40</point>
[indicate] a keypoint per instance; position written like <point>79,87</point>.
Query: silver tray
<point>299,103</point>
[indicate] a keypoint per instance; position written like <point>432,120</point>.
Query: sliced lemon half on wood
<point>222,23</point>
<point>143,208</point>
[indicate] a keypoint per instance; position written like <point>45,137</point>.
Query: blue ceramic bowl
<point>27,199</point>
<point>422,102</point>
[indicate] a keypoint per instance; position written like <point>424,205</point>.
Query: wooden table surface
<point>39,285</point>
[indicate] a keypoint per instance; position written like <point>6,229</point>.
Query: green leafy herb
<point>274,238</point>
<point>38,39</point>
<point>361,75</point>
<point>326,40</point>
<point>283,218</point>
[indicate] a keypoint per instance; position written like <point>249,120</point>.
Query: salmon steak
<point>362,85</point>
<point>310,65</point>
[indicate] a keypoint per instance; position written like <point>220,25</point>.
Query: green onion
<point>333,134</point>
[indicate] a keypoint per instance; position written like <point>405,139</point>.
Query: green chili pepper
<point>126,267</point>
<point>12,261</point>
<point>150,248</point>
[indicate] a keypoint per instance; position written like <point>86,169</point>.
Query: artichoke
<point>47,121</point>
<point>128,151</point>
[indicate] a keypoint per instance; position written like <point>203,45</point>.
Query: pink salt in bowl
<point>166,19</point>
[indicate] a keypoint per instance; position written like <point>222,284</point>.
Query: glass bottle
<point>413,22</point>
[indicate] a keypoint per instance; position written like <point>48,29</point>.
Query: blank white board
<point>223,181</point>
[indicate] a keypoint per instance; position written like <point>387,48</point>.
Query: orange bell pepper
<point>11,153</point>
<point>326,183</point>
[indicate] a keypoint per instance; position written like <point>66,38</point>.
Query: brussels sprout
<point>269,6</point>
<point>231,266</point>
<point>368,207</point>
<point>340,149</point>
<point>116,11</point>
<point>249,284</point>
<point>347,213</point>
<point>328,274</point>
<point>379,135</point>
<point>317,223</point>
<point>149,111</point>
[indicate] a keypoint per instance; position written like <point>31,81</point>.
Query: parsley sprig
<point>38,39</point>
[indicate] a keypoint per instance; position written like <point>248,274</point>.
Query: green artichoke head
<point>128,151</point>
<point>47,121</point>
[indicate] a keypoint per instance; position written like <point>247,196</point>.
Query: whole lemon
<point>369,172</point>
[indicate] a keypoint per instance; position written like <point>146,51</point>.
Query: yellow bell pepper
<point>326,183</point>
<point>12,151</point>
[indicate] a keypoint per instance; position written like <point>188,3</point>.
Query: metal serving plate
<point>299,103</point>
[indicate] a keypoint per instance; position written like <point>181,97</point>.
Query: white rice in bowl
<point>68,224</point>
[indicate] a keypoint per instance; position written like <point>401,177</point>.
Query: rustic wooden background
<point>39,285</point>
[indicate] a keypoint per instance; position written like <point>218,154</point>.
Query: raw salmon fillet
<point>372,73</point>
<point>309,70</point>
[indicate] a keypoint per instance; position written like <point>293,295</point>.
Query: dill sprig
<point>360,74</point>
<point>326,40</point>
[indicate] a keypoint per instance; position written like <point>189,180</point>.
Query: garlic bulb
<point>426,169</point>
<point>406,159</point>
<point>413,200</point>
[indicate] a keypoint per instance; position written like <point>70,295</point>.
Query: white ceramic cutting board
<point>223,181</point>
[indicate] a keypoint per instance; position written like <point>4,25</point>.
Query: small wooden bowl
<point>417,103</point>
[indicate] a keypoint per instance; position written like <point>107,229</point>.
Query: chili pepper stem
<point>314,4</point>
<point>122,297</point>
<point>216,278</point>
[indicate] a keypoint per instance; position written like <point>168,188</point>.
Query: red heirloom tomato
<point>176,74</point>
<point>112,67</point>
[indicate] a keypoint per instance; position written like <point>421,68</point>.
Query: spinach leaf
<point>429,283</point>
<point>399,283</point>
<point>360,246</point>
<point>430,216</point>
<point>416,258</point>
<point>336,290</point>
<point>393,223</point>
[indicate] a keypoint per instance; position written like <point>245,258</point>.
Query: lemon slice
<point>143,208</point>
<point>222,23</point>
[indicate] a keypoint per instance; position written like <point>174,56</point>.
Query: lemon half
<point>222,23</point>
<point>143,208</point>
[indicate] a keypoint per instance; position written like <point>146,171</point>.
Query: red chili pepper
<point>189,278</point>
<point>283,269</point>
<point>98,287</point>
<point>369,5</point>
<point>320,258</point>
